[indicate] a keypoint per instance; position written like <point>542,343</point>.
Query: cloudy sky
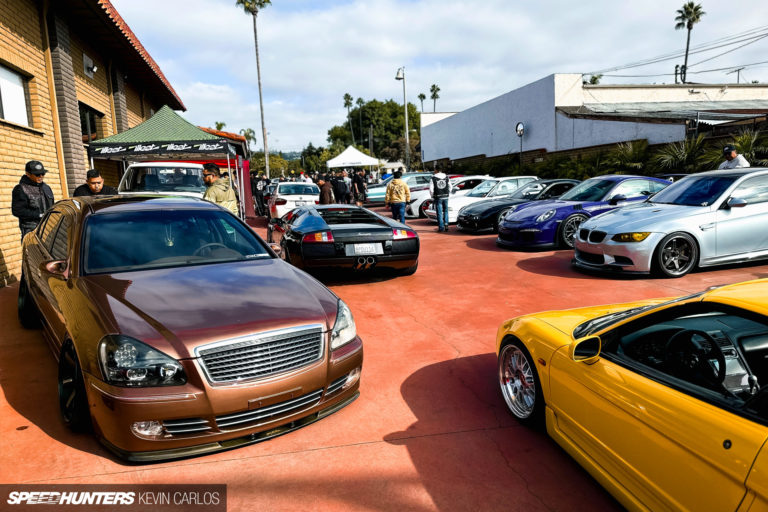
<point>314,51</point>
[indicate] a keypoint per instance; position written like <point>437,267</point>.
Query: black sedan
<point>486,215</point>
<point>322,236</point>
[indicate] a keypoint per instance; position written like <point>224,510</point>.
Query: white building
<point>560,113</point>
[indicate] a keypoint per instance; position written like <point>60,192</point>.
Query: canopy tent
<point>351,157</point>
<point>164,134</point>
<point>167,135</point>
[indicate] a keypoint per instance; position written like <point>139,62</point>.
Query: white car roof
<point>167,164</point>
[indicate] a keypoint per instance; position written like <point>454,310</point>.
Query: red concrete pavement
<point>429,431</point>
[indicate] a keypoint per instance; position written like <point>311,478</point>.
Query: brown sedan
<point>177,329</point>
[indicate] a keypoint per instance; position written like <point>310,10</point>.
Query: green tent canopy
<point>165,133</point>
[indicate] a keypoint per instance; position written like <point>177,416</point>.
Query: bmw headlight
<point>130,363</point>
<point>344,329</point>
<point>631,237</point>
<point>544,217</point>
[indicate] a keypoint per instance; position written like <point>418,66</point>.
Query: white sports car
<point>489,189</point>
<point>421,198</point>
<point>288,196</point>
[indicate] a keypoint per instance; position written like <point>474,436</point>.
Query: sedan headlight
<point>631,237</point>
<point>130,363</point>
<point>344,329</point>
<point>546,216</point>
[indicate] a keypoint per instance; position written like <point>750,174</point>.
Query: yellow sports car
<point>660,400</point>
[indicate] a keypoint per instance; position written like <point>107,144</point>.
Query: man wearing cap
<point>31,197</point>
<point>732,159</point>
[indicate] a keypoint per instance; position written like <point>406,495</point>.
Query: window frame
<point>24,78</point>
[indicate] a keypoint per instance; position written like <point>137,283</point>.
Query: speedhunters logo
<point>202,498</point>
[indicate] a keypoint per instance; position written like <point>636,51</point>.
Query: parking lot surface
<point>429,431</point>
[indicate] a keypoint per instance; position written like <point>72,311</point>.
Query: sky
<point>314,51</point>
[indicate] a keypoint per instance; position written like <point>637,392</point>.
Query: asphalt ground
<point>429,431</point>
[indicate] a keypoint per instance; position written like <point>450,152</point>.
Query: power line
<point>729,51</point>
<point>691,72</point>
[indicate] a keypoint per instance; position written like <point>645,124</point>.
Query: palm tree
<point>250,136</point>
<point>422,97</point>
<point>348,105</point>
<point>629,156</point>
<point>252,7</point>
<point>750,144</point>
<point>360,104</point>
<point>219,125</point>
<point>434,96</point>
<point>686,156</point>
<point>687,17</point>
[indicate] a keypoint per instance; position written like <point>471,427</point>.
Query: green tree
<point>348,105</point>
<point>687,16</point>
<point>685,156</point>
<point>751,144</point>
<point>252,7</point>
<point>434,96</point>
<point>422,97</point>
<point>219,125</point>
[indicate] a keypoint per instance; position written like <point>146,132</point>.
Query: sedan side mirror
<point>586,350</point>
<point>735,202</point>
<point>617,199</point>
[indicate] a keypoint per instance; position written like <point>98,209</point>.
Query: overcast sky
<point>314,51</point>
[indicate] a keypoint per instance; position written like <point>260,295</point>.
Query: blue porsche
<point>555,222</point>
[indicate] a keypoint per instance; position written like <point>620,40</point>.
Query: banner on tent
<point>161,148</point>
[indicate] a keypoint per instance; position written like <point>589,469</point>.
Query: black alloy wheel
<point>73,401</point>
<point>676,255</point>
<point>29,315</point>
<point>569,228</point>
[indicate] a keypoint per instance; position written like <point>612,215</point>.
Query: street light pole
<point>401,76</point>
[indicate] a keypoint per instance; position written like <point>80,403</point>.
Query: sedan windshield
<point>593,189</point>
<point>128,241</point>
<point>529,191</point>
<point>695,190</point>
<point>297,189</point>
<point>482,189</point>
<point>164,179</point>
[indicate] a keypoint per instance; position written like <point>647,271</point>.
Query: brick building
<point>71,71</point>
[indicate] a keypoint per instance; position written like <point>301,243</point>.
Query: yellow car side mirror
<point>586,350</point>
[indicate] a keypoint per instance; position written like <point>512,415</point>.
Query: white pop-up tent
<point>351,157</point>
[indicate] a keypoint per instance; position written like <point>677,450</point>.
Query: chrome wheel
<point>499,220</point>
<point>423,208</point>
<point>676,255</point>
<point>569,229</point>
<point>517,379</point>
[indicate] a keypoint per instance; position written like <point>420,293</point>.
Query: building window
<point>90,123</point>
<point>13,97</point>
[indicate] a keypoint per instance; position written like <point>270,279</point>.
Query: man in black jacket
<point>31,197</point>
<point>94,186</point>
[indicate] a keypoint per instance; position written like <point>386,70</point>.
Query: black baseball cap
<point>35,167</point>
<point>728,149</point>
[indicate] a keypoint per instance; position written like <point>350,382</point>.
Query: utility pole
<point>738,74</point>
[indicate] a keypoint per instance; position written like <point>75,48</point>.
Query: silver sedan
<point>705,219</point>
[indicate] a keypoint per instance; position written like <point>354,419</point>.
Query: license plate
<point>302,203</point>
<point>363,249</point>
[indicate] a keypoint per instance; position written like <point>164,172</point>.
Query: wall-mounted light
<point>93,68</point>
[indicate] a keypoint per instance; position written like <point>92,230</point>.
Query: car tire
<point>568,229</point>
<point>29,315</point>
<point>423,207</point>
<point>676,255</point>
<point>520,384</point>
<point>499,218</point>
<point>73,402</point>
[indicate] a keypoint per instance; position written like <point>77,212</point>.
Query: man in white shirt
<point>733,160</point>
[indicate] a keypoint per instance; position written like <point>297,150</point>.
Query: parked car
<point>489,189</point>
<point>178,331</point>
<point>555,222</point>
<point>268,192</point>
<point>422,198</point>
<point>163,178</point>
<point>706,219</point>
<point>290,195</point>
<point>344,236</point>
<point>486,215</point>
<point>415,181</point>
<point>653,398</point>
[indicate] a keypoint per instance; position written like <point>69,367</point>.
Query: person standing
<point>339,187</point>
<point>348,183</point>
<point>326,191</point>
<point>218,190</point>
<point>396,197</point>
<point>259,185</point>
<point>358,187</point>
<point>94,186</point>
<point>440,189</point>
<point>31,197</point>
<point>733,160</point>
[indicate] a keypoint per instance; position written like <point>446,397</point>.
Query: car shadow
<point>486,243</point>
<point>558,264</point>
<point>338,277</point>
<point>463,435</point>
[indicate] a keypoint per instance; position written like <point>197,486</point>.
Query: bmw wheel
<point>519,382</point>
<point>73,401</point>
<point>569,228</point>
<point>676,255</point>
